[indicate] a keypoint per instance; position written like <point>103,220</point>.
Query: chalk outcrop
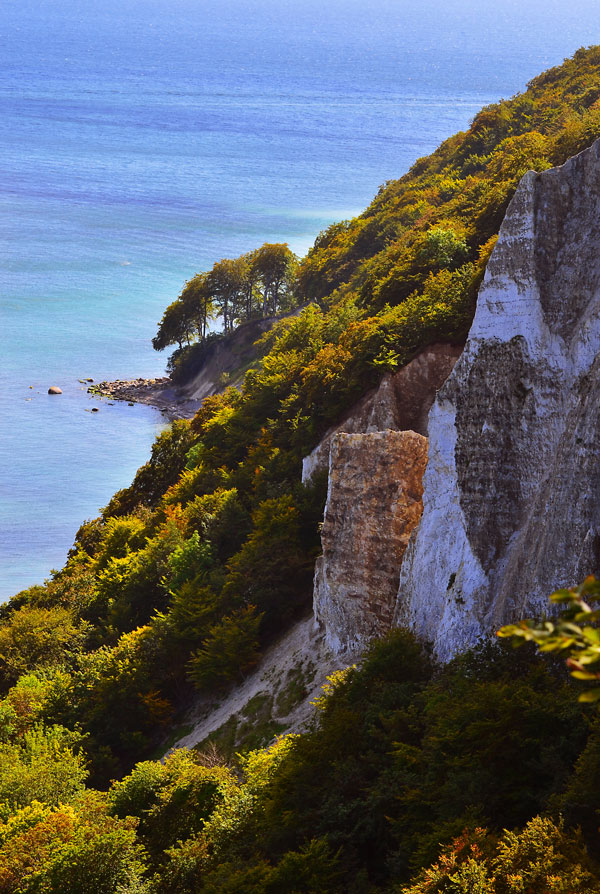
<point>511,508</point>
<point>400,402</point>
<point>373,504</point>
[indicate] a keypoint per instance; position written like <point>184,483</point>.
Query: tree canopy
<point>257,284</point>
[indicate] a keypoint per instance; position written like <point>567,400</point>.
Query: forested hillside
<point>208,556</point>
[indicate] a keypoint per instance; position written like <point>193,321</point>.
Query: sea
<point>142,140</point>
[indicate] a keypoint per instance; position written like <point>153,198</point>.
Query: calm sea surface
<point>141,141</point>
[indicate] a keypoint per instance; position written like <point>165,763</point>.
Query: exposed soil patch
<point>276,698</point>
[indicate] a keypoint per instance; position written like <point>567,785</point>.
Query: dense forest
<point>482,776</point>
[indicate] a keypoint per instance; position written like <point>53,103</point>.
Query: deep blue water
<point>141,141</point>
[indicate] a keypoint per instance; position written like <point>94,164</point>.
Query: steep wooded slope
<point>210,553</point>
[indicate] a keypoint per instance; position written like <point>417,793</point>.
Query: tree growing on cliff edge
<point>274,265</point>
<point>258,283</point>
<point>198,303</point>
<point>186,318</point>
<point>227,284</point>
<point>175,328</point>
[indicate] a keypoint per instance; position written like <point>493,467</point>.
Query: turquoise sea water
<point>141,141</point>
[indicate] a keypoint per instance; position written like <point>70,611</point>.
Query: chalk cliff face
<point>401,402</point>
<point>373,504</point>
<point>511,492</point>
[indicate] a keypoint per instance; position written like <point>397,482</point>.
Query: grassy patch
<point>293,692</point>
<point>253,727</point>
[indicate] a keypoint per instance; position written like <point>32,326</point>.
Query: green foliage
<point>192,863</point>
<point>459,775</point>
<point>443,248</point>
<point>229,650</point>
<point>25,702</point>
<point>580,802</point>
<point>234,820</point>
<point>77,849</point>
<point>575,634</point>
<point>403,758</point>
<point>131,587</point>
<point>114,695</point>
<point>192,611</point>
<point>271,570</point>
<point>120,537</point>
<point>42,765</point>
<point>137,793</point>
<point>188,561</point>
<point>540,859</point>
<point>172,800</point>
<point>311,870</point>
<point>36,637</point>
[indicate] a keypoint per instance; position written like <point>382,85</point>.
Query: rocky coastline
<point>160,393</point>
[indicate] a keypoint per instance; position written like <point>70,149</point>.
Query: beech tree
<point>575,634</point>
<point>258,283</point>
<point>198,304</point>
<point>175,327</point>
<point>226,283</point>
<point>274,266</point>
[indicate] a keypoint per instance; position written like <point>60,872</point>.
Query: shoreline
<point>160,393</point>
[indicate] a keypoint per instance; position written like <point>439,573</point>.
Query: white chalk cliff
<point>511,503</point>
<point>401,402</point>
<point>375,456</point>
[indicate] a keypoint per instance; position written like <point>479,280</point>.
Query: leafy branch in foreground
<point>574,633</point>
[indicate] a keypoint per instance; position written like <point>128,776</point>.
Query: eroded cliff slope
<point>401,402</point>
<point>373,505</point>
<point>511,506</point>
<point>375,456</point>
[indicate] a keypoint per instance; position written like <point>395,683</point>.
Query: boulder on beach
<point>54,389</point>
